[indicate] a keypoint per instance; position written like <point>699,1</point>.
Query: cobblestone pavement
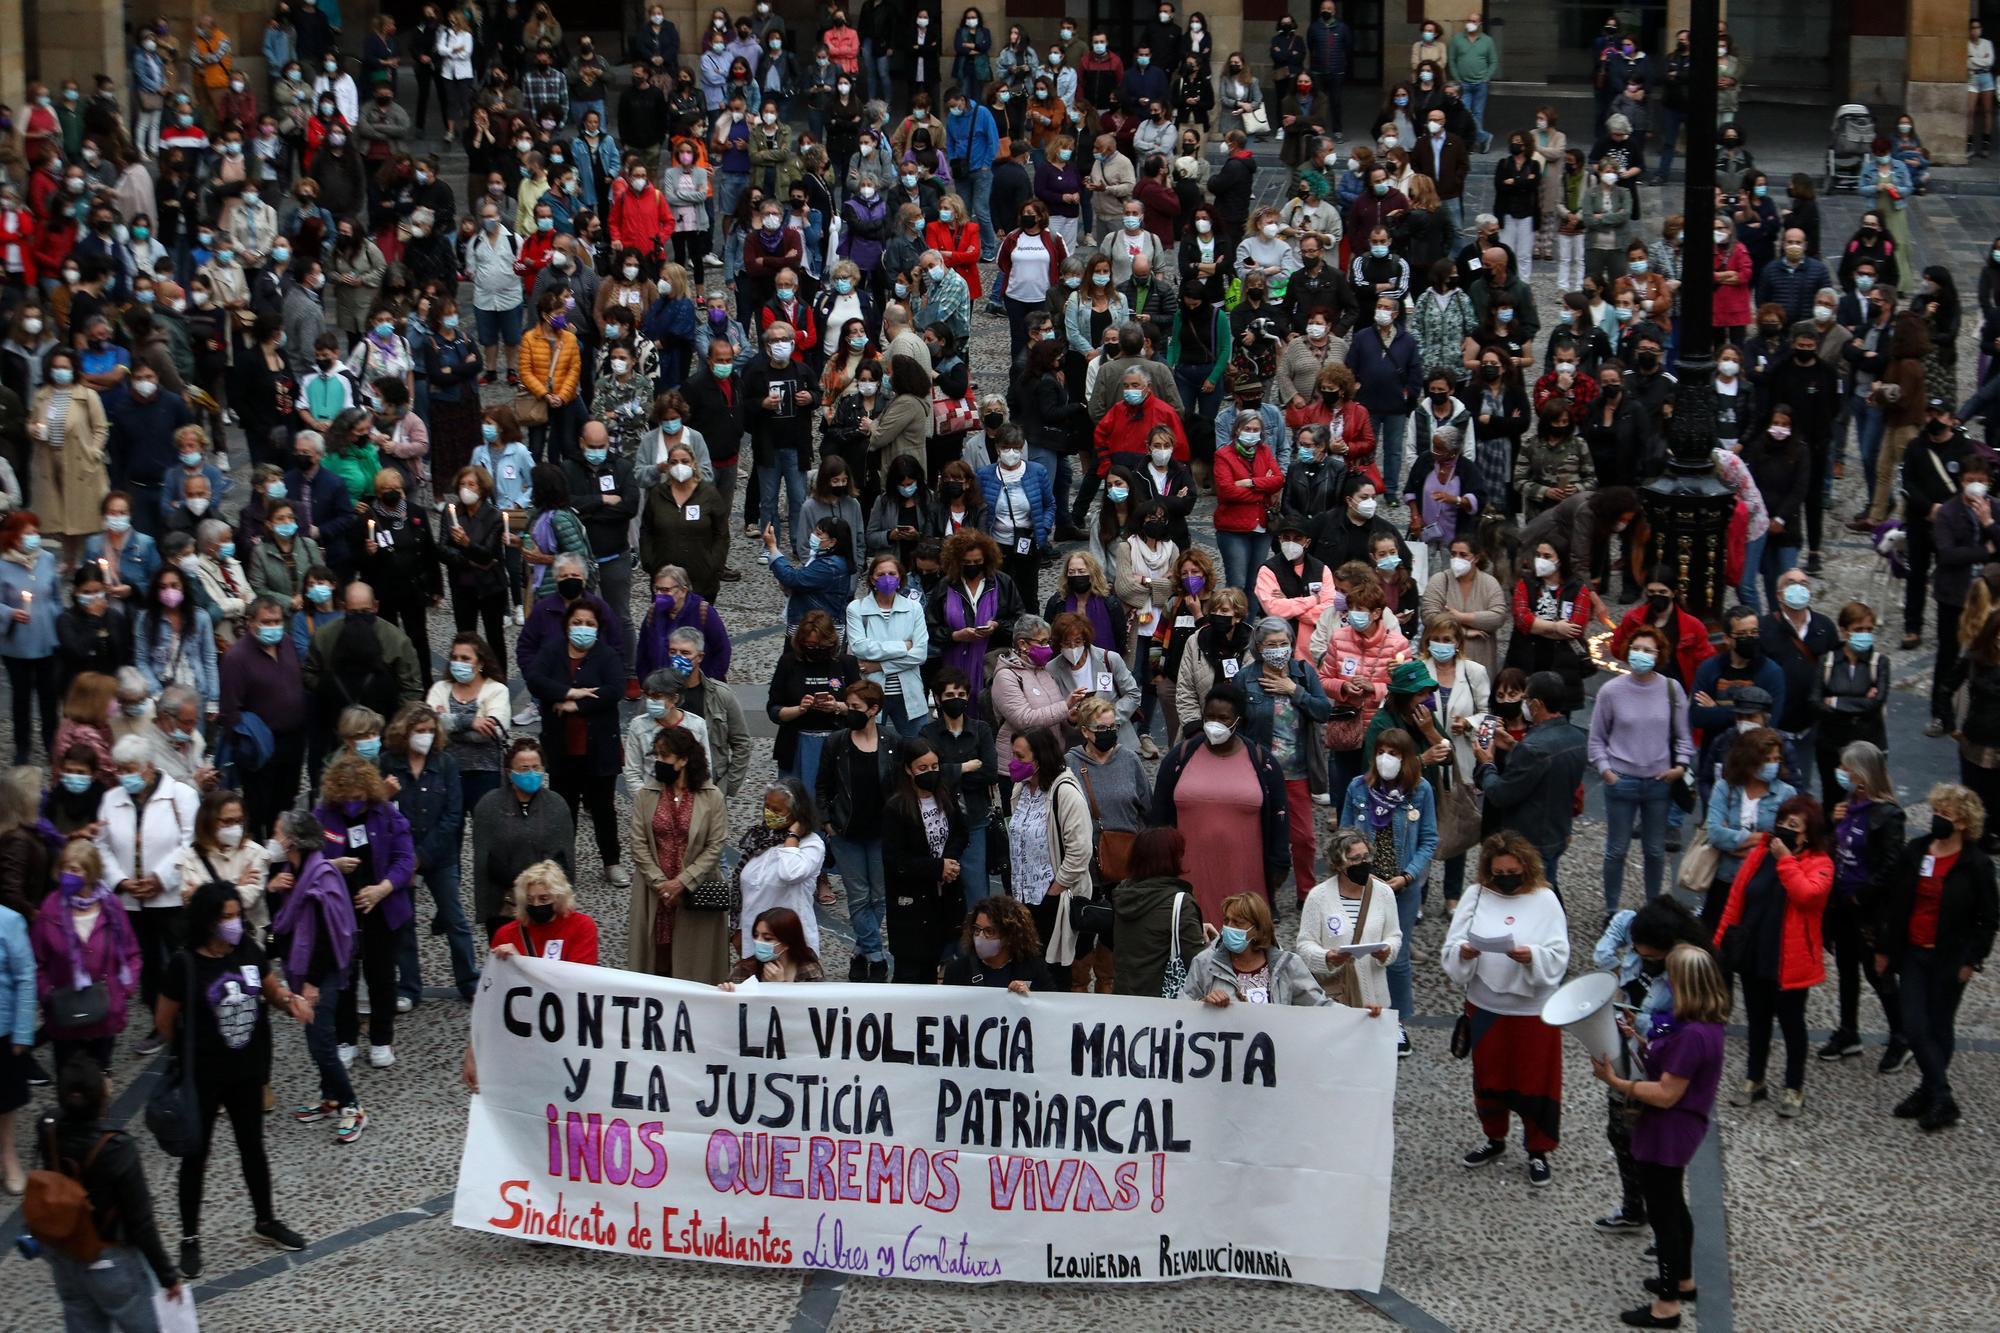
<point>1843,1217</point>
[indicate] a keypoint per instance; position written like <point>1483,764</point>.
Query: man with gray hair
<point>780,393</point>
<point>943,296</point>
<point>703,696</point>
<point>223,583</point>
<point>900,339</point>
<point>174,743</point>
<point>1132,355</point>
<point>320,501</point>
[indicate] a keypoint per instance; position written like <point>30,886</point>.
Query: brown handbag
<point>1114,848</point>
<point>531,409</point>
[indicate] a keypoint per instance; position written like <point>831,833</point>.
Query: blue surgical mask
<point>1797,596</point>
<point>226,551</point>
<point>766,950</point>
<point>1767,771</point>
<point>582,636</point>
<point>906,489</point>
<point>133,783</point>
<point>528,783</point>
<point>76,784</point>
<point>286,530</point>
<point>843,285</point>
<point>1379,251</point>
<point>1641,661</point>
<point>1235,939</point>
<point>275,491</point>
<point>489,432</point>
<point>118,523</point>
<point>1118,494</point>
<point>319,594</point>
<point>462,672</point>
<point>1135,396</point>
<point>1443,652</point>
<point>1840,775</point>
<point>1862,640</point>
<point>1357,619</point>
<point>31,541</point>
<point>1389,563</point>
<point>369,748</point>
<point>1761,191</point>
<point>595,456</point>
<point>270,635</point>
<point>656,708</point>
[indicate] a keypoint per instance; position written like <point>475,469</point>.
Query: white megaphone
<point>1584,1007</point>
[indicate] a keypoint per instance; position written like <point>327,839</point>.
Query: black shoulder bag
<point>173,1112</point>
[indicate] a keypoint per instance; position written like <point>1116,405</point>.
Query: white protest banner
<point>954,1134</point>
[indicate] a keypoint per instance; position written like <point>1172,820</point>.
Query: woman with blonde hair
<point>86,721</point>
<point>1245,965</point>
<point>547,922</point>
<point>1516,1057</point>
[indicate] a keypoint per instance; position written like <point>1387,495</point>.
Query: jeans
<point>442,881</point>
<point>1474,97</point>
<point>113,1292</point>
<point>1402,995</point>
<point>981,204</point>
<point>1059,475</point>
<point>1753,564</point>
<point>876,80</point>
<point>1199,418</point>
<point>730,187</point>
<point>972,863</point>
<point>1931,991</point>
<point>860,865</point>
<point>324,1047</point>
<point>785,461</point>
<point>1454,210</point>
<point>1626,802</point>
<point>1670,132</point>
<point>1763,1001</point>
<point>1778,558</point>
<point>1868,427</point>
<point>1241,554</point>
<point>1389,429</point>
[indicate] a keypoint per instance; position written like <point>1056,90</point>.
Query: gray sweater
<point>508,837</point>
<point>1123,796</point>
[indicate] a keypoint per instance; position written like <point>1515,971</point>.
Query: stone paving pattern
<point>1842,1218</point>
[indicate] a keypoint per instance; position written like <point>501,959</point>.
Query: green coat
<point>356,469</point>
<point>273,574</point>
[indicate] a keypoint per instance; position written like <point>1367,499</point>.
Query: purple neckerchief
<point>970,657</point>
<point>1849,839</point>
<point>319,884</point>
<point>1383,803</point>
<point>110,917</point>
<point>1094,611</point>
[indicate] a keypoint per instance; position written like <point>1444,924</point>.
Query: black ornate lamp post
<point>1688,506</point>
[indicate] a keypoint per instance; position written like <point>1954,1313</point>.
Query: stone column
<point>13,80</point>
<point>74,41</point>
<point>1934,94</point>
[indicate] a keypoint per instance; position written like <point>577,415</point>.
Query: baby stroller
<point>1853,135</point>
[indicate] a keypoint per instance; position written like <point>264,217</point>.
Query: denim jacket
<point>1726,830</point>
<point>1416,839</point>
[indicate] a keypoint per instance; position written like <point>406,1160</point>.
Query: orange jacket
<point>537,376</point>
<point>1805,880</point>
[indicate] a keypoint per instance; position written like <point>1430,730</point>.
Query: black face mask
<point>1078,584</point>
<point>952,708</point>
<point>1105,738</point>
<point>541,913</point>
<point>667,774</point>
<point>927,780</point>
<point>857,718</point>
<point>952,490</point>
<point>1508,709</point>
<point>1748,648</point>
<point>1154,528</point>
<point>995,420</point>
<point>972,573</point>
<point>1941,828</point>
<point>1222,626</point>
<point>1652,967</point>
<point>1508,882</point>
<point>1357,873</point>
<point>1770,331</point>
<point>1440,395</point>
<point>817,652</point>
<point>1649,360</point>
<point>1658,605</point>
<point>1489,373</point>
<point>1805,358</point>
<point>569,589</point>
<point>1612,390</point>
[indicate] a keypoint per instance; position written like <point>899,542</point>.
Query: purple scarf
<point>1099,616</point>
<point>1383,803</point>
<point>318,898</point>
<point>111,918</point>
<point>970,657</point>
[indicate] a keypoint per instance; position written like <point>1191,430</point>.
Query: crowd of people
<point>1023,715</point>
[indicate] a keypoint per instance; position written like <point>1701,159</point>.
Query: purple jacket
<point>110,955</point>
<point>545,622</point>
<point>394,851</point>
<point>656,630</point>
<point>318,900</point>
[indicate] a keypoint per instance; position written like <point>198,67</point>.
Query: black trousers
<point>376,947</point>
<point>1044,913</point>
<point>243,1101</point>
<point>1931,992</point>
<point>270,791</point>
<point>469,611</point>
<point>158,932</point>
<point>1853,959</point>
<point>32,678</point>
<point>1665,1191</point>
<point>1815,493</point>
<point>1763,1002</point>
<point>1949,672</point>
<point>407,613</point>
<point>1026,571</point>
<point>1919,552</point>
<point>571,779</point>
<point>427,83</point>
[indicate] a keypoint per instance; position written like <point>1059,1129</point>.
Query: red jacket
<point>18,228</point>
<point>534,257</point>
<point>1349,425</point>
<point>1689,649</point>
<point>805,325</point>
<point>571,937</point>
<point>1122,433</point>
<point>641,220</point>
<point>959,243</point>
<point>1242,508</point>
<point>1806,880</point>
<point>1732,304</point>
<point>1582,392</point>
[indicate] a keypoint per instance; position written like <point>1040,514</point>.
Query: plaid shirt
<point>547,87</point>
<point>947,301</point>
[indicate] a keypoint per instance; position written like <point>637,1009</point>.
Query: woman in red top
<point>1246,477</point>
<point>1685,637</point>
<point>1732,282</point>
<point>535,249</point>
<point>1770,937</point>
<point>1350,434</point>
<point>956,236</point>
<point>546,921</point>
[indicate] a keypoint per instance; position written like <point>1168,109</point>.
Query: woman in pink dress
<point>1227,797</point>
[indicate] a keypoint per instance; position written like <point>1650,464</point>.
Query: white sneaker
<point>346,1057</point>
<point>404,1004</point>
<point>520,617</point>
<point>528,716</point>
<point>1321,798</point>
<point>619,876</point>
<point>381,1057</point>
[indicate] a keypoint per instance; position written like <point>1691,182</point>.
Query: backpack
<point>56,1206</point>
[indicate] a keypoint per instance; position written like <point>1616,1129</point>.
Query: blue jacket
<point>973,138</point>
<point>1311,702</point>
<point>434,805</point>
<point>595,173</point>
<point>332,512</point>
<point>1794,289</point>
<point>1416,839</point>
<point>1041,498</point>
<point>1767,676</point>
<point>1142,86</point>
<point>308,622</point>
<point>140,446</point>
<point>197,644</point>
<point>138,559</point>
<point>35,637</point>
<point>1328,46</point>
<point>1727,832</point>
<point>1389,377</point>
<point>824,583</point>
<point>17,980</point>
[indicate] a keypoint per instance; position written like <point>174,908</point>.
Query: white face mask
<point>1544,567</point>
<point>197,505</point>
<point>1315,331</point>
<point>1162,457</point>
<point>468,495</point>
<point>681,472</point>
<point>230,836</point>
<point>1385,318</point>
<point>1727,369</point>
<point>1975,490</point>
<point>1218,733</point>
<point>1460,566</point>
<point>1292,551</point>
<point>1388,766</point>
<point>1010,459</point>
<point>421,741</point>
<point>1365,508</point>
<point>1075,653</point>
<point>1270,231</point>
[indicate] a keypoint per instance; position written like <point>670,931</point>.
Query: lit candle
<point>104,568</point>
<point>451,513</point>
<point>371,529</point>
<point>27,600</point>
